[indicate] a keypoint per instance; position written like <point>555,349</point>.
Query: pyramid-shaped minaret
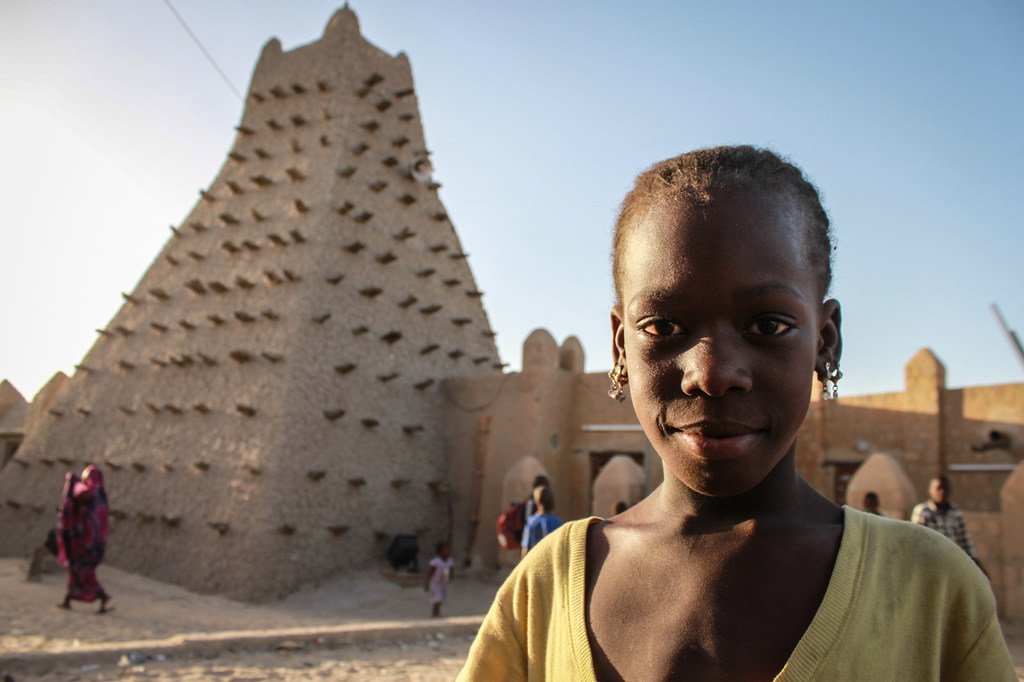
<point>266,403</point>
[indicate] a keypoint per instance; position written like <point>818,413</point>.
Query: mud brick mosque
<point>307,370</point>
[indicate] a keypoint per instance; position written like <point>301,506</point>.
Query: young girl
<point>438,578</point>
<point>734,568</point>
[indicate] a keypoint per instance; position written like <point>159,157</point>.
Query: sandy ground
<point>145,609</point>
<point>419,659</point>
<point>149,610</point>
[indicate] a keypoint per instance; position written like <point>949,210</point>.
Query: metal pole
<point>1012,335</point>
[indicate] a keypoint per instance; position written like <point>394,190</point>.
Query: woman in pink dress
<point>82,530</point>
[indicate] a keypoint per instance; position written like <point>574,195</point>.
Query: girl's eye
<point>769,326</point>
<point>663,328</point>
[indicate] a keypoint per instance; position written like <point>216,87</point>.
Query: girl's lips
<point>710,442</point>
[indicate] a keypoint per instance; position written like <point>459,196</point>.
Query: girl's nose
<point>712,367</point>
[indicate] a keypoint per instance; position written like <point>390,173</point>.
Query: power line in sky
<point>206,52</point>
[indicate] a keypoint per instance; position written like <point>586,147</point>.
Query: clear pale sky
<point>909,116</point>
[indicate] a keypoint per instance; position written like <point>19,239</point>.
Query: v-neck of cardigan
<point>812,649</point>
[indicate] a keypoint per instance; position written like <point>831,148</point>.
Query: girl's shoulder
<point>890,536</point>
<point>562,547</point>
<point>914,557</point>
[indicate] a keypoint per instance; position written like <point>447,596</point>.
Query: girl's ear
<point>618,337</point>
<point>830,338</point>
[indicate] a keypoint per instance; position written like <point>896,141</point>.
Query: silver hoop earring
<point>830,382</point>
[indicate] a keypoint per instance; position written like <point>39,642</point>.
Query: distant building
<point>267,403</point>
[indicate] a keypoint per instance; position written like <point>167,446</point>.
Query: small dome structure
<point>882,474</point>
<point>518,482</point>
<point>620,480</point>
<point>540,351</point>
<point>570,356</point>
<point>924,370</point>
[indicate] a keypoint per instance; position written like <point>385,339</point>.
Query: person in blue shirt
<point>543,521</point>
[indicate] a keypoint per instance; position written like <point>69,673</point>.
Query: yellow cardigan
<point>903,603</point>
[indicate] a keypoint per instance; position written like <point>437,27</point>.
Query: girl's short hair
<point>695,178</point>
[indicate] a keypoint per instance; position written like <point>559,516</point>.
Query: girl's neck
<point>780,497</point>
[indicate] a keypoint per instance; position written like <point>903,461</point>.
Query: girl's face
<point>721,329</point>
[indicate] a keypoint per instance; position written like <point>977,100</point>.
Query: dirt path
<point>424,658</point>
<point>148,610</point>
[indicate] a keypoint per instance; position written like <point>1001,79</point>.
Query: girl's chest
<point>732,615</point>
